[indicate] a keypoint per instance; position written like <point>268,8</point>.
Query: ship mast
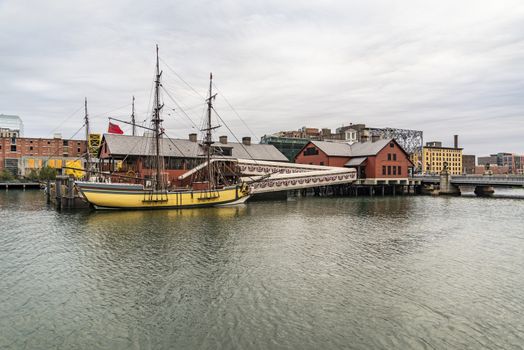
<point>88,153</point>
<point>208,141</point>
<point>133,116</point>
<point>156,124</point>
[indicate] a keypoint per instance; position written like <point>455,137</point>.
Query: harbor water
<point>311,273</point>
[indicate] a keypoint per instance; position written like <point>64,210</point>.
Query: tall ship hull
<point>208,188</point>
<point>130,196</point>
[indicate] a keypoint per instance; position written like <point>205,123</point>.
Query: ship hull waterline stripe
<point>180,207</point>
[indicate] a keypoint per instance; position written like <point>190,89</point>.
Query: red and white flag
<point>114,129</point>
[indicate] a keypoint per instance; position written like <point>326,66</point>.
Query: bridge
<point>484,184</point>
<point>477,180</point>
<point>266,176</point>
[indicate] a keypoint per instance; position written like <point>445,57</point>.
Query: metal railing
<point>503,180</point>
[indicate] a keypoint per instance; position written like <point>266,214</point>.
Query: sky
<point>443,67</point>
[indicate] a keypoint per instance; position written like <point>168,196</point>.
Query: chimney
<point>456,141</point>
<point>223,139</point>
<point>246,140</point>
<point>375,138</point>
<point>193,137</point>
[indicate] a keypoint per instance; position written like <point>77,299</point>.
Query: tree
<point>33,175</point>
<point>6,175</point>
<point>47,173</point>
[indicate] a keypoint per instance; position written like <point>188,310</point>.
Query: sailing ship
<point>156,193</point>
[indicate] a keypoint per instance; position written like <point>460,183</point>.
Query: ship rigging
<point>156,193</point>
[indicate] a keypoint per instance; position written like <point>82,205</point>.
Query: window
<point>394,156</point>
<point>13,148</point>
<point>389,156</point>
<point>31,148</point>
<point>321,163</point>
<point>392,144</point>
<point>311,151</point>
<point>383,170</point>
<point>78,149</point>
<point>48,142</point>
<point>65,142</point>
<point>394,170</point>
<point>399,172</point>
<point>389,169</point>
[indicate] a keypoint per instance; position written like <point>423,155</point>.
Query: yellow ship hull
<point>129,196</point>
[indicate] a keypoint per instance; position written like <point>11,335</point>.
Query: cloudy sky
<point>444,67</point>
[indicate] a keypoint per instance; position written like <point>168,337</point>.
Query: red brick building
<point>380,159</point>
<point>133,155</point>
<point>20,154</point>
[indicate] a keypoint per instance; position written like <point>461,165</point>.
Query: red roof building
<point>382,159</point>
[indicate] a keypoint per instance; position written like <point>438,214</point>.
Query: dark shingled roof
<point>143,146</point>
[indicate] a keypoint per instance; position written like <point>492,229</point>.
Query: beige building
<point>434,155</point>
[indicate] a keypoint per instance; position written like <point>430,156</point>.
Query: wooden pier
<point>64,195</point>
<point>19,185</point>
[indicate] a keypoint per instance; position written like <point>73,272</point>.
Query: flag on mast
<point>114,129</point>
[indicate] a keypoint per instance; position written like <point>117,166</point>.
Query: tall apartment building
<point>434,156</point>
<point>19,155</point>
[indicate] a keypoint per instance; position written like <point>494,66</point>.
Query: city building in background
<point>288,146</point>
<point>20,155</point>
<point>11,126</point>
<point>492,160</point>
<point>513,162</point>
<point>434,156</point>
<point>380,159</point>
<point>468,163</point>
<point>491,169</point>
<point>288,141</point>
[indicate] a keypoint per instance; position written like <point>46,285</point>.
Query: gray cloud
<point>446,67</point>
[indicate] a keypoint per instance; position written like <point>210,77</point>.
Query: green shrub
<point>47,173</point>
<point>33,175</point>
<point>6,176</point>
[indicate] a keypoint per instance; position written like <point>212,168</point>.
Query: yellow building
<point>434,156</point>
<point>29,163</point>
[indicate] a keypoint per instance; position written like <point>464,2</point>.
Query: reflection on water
<point>404,272</point>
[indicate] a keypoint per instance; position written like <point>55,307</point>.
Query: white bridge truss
<point>264,176</point>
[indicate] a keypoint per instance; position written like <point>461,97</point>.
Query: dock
<point>63,193</point>
<point>19,185</point>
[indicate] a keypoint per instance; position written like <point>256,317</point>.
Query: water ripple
<point>382,273</point>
